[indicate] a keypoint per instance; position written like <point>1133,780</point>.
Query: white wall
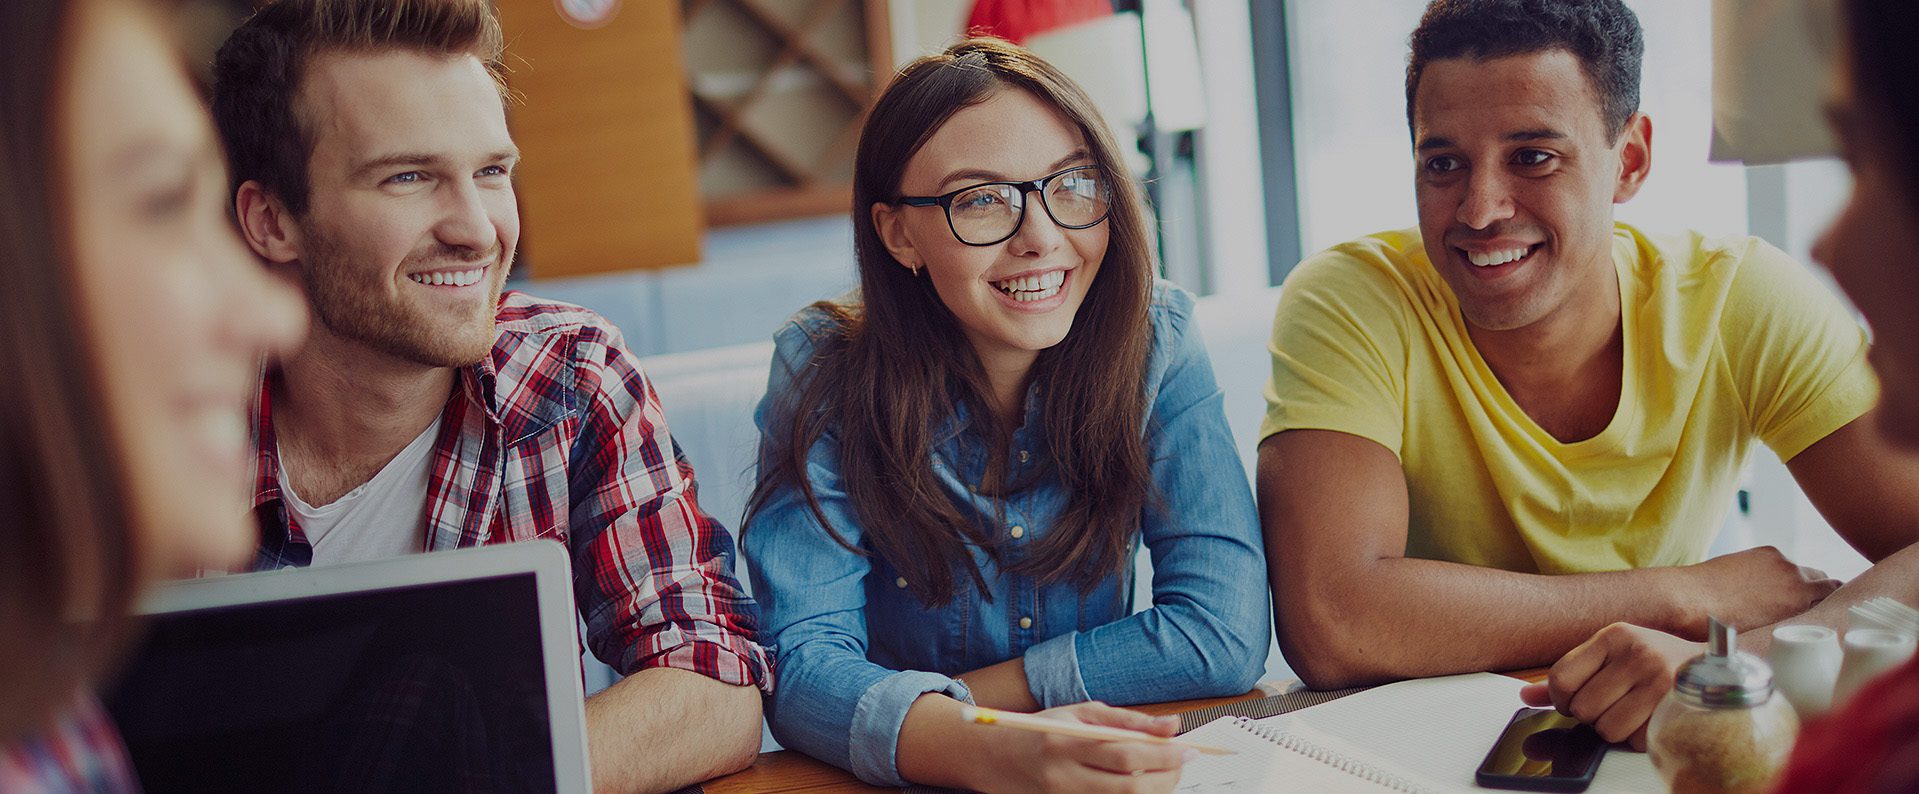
<point>924,27</point>
<point>1232,191</point>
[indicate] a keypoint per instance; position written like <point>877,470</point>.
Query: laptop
<point>449,671</point>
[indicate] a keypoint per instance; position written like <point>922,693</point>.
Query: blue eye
<point>979,200</point>
<point>407,178</point>
<point>493,170</point>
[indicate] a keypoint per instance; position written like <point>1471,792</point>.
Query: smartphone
<point>1543,750</point>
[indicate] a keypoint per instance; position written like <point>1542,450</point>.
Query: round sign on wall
<point>587,14</point>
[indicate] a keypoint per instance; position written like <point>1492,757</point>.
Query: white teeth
<point>1047,283</point>
<point>1491,258</point>
<point>459,278</point>
<point>1035,295</point>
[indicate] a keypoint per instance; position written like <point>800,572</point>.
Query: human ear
<point>891,227</point>
<point>1635,157</point>
<point>266,224</point>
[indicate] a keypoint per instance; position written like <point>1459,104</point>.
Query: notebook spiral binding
<point>1358,769</point>
<point>1261,708</point>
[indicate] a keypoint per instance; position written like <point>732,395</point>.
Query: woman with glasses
<point>960,461</point>
<point>133,326</point>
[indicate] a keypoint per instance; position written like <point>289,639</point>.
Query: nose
<point>263,315</point>
<point>1488,200</point>
<point>465,222</point>
<point>1037,234</point>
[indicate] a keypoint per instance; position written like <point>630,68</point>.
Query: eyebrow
<point>981,175</point>
<point>422,159</point>
<point>1518,136</point>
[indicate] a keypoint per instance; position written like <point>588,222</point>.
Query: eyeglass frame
<point>945,202</point>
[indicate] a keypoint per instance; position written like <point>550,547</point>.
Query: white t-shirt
<point>384,517</point>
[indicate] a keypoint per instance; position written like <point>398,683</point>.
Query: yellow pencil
<point>1030,722</point>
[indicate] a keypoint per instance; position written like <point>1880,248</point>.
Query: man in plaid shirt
<point>372,163</point>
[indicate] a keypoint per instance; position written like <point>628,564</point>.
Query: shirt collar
<point>536,405</point>
<point>475,382</point>
<point>266,449</point>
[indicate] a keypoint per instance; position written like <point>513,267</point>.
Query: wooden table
<point>791,772</point>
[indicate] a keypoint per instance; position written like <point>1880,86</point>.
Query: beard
<point>349,308</point>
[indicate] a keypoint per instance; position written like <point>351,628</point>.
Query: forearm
<point>939,748</point>
<point>1002,686</point>
<point>661,729</point>
<point>1896,576</point>
<point>1403,618</point>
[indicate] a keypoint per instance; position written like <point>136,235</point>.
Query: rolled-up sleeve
<point>1052,672</point>
<point>1210,624</point>
<point>832,703</point>
<point>653,573</point>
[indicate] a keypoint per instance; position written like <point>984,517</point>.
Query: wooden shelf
<point>779,89</point>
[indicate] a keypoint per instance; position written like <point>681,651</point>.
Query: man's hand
<point>1753,588</point>
<point>1614,680</point>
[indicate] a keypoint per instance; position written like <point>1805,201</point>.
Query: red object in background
<point>1869,744</point>
<point>1018,20</point>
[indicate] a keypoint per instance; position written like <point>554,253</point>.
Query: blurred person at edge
<point>1871,743</point>
<point>134,322</point>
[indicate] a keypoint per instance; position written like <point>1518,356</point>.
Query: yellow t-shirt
<point>1726,341</point>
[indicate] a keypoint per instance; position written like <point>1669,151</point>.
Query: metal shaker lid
<point>1724,677</point>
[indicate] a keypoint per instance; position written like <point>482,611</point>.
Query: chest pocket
<point>903,634</point>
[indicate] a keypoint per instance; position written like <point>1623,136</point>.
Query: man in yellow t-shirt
<point>1506,438</point>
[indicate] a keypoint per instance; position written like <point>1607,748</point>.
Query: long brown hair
<point>67,546</point>
<point>895,367</point>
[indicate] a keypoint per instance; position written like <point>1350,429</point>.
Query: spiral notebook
<point>1425,736</point>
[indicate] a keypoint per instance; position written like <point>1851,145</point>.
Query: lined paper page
<point>1435,731</point>
<point>1428,732</point>
<point>1260,766</point>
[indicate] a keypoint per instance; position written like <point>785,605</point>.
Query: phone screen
<point>1543,750</point>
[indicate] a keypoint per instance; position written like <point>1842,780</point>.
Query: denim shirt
<point>856,648</point>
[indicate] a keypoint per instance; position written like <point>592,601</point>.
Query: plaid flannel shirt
<point>79,753</point>
<point>557,434</point>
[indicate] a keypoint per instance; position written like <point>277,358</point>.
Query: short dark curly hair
<point>1603,34</point>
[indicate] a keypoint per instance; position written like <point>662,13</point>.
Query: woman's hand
<point>1025,761</point>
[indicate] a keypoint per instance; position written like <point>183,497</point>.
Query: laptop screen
<point>428,687</point>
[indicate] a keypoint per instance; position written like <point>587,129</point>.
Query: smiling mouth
<point>449,278</point>
<point>1497,258</point>
<point>1032,288</point>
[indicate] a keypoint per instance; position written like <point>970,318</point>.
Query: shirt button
<point>1019,532</point>
<point>900,583</point>
<point>1023,456</point>
<point>1025,623</point>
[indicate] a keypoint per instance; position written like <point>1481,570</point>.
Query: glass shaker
<point>1722,729</point>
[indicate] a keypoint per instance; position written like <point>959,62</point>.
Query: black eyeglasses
<point>989,213</point>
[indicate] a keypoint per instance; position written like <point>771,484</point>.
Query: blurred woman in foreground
<point>1871,744</point>
<point>131,326</point>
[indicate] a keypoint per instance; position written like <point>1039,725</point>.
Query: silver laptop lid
<point>454,670</point>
